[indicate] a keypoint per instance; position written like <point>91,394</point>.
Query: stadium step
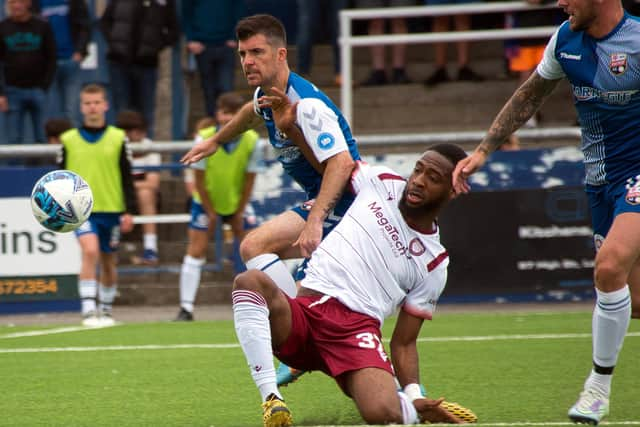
<point>160,286</point>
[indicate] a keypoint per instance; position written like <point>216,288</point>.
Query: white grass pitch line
<point>235,345</point>
<point>118,348</point>
<point>515,337</point>
<point>62,330</point>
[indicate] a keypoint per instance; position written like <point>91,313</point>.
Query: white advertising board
<point>28,249</point>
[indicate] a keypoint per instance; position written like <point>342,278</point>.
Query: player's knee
<point>251,280</point>
<point>382,413</point>
<point>250,246</point>
<point>608,275</point>
<point>91,254</point>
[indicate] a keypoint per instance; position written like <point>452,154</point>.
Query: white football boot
<point>90,319</point>
<point>592,406</point>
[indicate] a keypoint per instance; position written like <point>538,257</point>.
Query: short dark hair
<point>231,102</point>
<point>57,126</point>
<point>451,151</point>
<point>267,25</point>
<point>131,120</point>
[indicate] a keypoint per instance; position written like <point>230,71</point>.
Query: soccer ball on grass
<point>61,201</point>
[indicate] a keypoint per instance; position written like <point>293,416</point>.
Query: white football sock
<point>276,270</point>
<point>251,320</point>
<point>599,382</point>
<point>409,413</point>
<point>610,322</point>
<point>189,281</point>
<point>106,295</point>
<point>151,241</point>
<point>87,289</point>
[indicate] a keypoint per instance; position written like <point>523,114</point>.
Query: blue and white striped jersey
<point>605,78</point>
<point>331,134</point>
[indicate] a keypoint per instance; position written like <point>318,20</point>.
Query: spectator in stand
<point>71,26</point>
<point>146,182</point>
<point>524,55</point>
<point>53,128</point>
<point>209,28</point>
<point>311,13</point>
<point>224,183</point>
<point>136,32</point>
<point>441,24</point>
<point>378,74</point>
<point>27,66</point>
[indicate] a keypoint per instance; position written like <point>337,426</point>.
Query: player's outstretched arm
<point>304,128</point>
<point>337,174</point>
<point>242,121</point>
<point>404,354</point>
<point>522,105</point>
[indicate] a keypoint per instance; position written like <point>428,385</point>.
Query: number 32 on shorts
<point>371,341</point>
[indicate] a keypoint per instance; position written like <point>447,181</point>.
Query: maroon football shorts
<point>327,336</point>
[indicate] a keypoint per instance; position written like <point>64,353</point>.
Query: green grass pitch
<point>512,369</point>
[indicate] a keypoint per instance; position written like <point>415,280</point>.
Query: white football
<point>61,201</point>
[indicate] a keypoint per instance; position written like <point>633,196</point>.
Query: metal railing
<point>349,41</point>
<point>569,133</point>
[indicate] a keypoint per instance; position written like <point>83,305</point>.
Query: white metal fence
<point>348,41</point>
<point>422,139</point>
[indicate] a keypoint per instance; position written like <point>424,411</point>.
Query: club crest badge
<point>416,247</point>
<point>633,191</point>
<point>598,240</point>
<point>618,63</point>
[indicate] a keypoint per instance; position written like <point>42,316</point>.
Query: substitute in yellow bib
<point>223,186</point>
<point>98,153</point>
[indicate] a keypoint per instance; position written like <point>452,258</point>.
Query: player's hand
<point>199,151</point>
<point>465,168</point>
<point>309,239</point>
<point>430,410</point>
<point>126,222</point>
<point>284,112</point>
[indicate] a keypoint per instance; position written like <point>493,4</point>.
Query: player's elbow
<point>343,162</point>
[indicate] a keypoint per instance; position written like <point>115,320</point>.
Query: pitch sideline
<point>51,331</point>
<point>235,345</point>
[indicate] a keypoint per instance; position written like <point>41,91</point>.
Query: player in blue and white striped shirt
<point>322,167</point>
<point>598,50</point>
